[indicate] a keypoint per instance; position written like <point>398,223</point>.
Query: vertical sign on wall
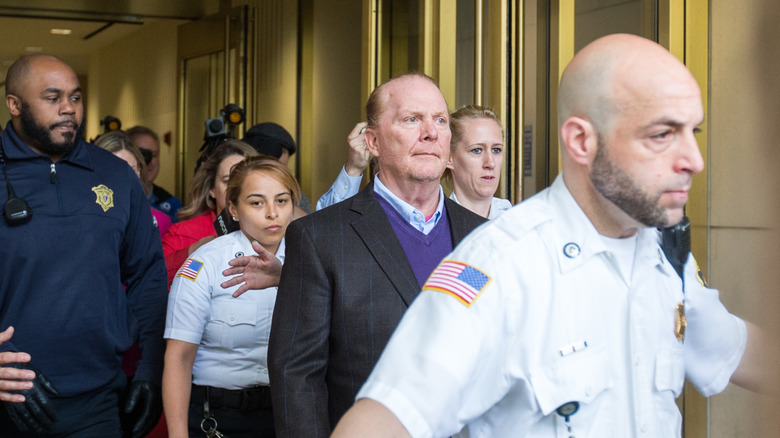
<point>528,150</point>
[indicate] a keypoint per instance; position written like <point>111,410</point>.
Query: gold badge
<point>680,324</point>
<point>105,197</point>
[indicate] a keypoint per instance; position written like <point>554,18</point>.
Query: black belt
<point>251,399</point>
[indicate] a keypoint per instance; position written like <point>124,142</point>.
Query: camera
<point>225,125</point>
<point>215,127</point>
<point>111,123</point>
<point>220,129</point>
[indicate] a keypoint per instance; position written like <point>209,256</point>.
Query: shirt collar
<point>578,239</point>
<point>497,206</point>
<point>280,251</point>
<point>412,215</point>
<point>245,246</point>
<point>16,149</point>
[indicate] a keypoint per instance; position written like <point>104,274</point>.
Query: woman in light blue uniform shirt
<point>476,156</point>
<point>216,358</point>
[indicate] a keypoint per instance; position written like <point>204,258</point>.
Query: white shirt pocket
<point>581,377</point>
<point>670,371</point>
<point>237,321</point>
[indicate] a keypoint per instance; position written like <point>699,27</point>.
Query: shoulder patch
<point>462,281</point>
<point>190,269</point>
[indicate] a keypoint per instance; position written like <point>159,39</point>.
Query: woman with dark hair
<point>216,373</point>
<point>207,200</point>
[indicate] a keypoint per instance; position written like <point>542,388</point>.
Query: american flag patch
<point>460,280</point>
<point>190,269</point>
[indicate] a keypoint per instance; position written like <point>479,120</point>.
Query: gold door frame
<point>437,59</point>
<point>684,30</point>
<point>221,37</point>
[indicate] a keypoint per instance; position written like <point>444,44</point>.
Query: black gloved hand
<point>35,414</point>
<point>142,408</point>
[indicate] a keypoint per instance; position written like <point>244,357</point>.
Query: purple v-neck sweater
<point>424,252</point>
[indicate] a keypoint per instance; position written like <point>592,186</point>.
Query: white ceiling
<point>73,48</point>
<point>25,25</point>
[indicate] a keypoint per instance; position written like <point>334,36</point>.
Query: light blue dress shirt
<point>414,216</point>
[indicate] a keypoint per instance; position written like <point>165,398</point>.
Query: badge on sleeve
<point>460,280</point>
<point>190,269</point>
<point>105,197</point>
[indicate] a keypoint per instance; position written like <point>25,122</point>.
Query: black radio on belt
<point>16,210</point>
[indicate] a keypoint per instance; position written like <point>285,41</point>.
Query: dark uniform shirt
<point>86,276</point>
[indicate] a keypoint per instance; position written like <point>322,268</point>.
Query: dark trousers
<point>91,415</point>
<point>249,422</point>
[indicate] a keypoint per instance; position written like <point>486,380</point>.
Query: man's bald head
<point>628,113</point>
<point>20,70</point>
<point>378,98</point>
<point>605,77</point>
<point>44,98</point>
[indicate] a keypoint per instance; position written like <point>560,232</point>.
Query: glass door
<point>562,28</point>
<point>213,73</point>
<point>462,44</point>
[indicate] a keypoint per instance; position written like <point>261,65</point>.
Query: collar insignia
<point>571,250</point>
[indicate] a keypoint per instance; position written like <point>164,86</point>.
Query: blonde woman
<point>120,144</point>
<point>476,156</point>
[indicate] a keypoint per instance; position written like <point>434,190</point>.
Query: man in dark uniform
<point>82,274</point>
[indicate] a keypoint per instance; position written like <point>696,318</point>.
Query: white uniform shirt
<point>497,206</point>
<point>553,322</point>
<point>232,333</point>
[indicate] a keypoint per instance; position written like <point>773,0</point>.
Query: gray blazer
<point>345,284</point>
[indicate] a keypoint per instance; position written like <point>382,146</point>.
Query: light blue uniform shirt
<point>231,333</point>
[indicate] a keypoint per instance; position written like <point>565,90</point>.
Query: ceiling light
<point>60,31</point>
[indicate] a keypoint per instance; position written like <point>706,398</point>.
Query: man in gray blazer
<point>352,270</point>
